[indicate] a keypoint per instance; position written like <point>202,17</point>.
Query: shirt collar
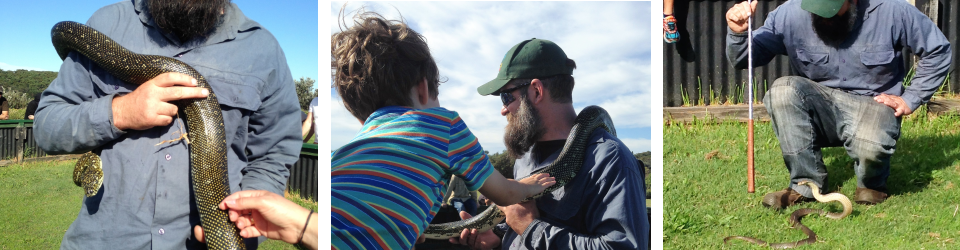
<point>234,22</point>
<point>867,7</point>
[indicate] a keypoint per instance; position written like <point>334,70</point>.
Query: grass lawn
<point>706,199</point>
<point>38,201</point>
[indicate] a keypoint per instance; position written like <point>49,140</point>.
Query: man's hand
<point>895,102</point>
<point>738,14</point>
<point>520,215</point>
<point>474,239</point>
<point>149,105</point>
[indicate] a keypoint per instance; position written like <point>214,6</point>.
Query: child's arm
<point>503,191</point>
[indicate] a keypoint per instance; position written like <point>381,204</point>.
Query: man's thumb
<point>464,215</point>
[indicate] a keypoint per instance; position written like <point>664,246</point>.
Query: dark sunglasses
<point>506,96</point>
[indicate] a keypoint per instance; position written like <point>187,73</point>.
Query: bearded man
<point>146,201</point>
<point>603,207</point>
<point>849,91</point>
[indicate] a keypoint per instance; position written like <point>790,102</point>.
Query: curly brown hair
<point>377,61</point>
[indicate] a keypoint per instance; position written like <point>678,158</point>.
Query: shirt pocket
<point>878,65</point>
<point>876,58</point>
<point>815,63</point>
<point>239,98</point>
<point>234,92</point>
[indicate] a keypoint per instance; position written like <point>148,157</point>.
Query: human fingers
<point>173,79</point>
<point>250,232</point>
<point>473,238</point>
<point>245,193</point>
<point>547,182</point>
<point>464,237</point>
<point>885,100</point>
<point>166,109</point>
<point>198,233</point>
<point>174,93</point>
<point>243,202</point>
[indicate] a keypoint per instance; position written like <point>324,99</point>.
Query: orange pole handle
<point>750,187</point>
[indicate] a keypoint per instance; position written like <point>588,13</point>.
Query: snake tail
<point>88,173</point>
<point>204,120</point>
<point>797,215</point>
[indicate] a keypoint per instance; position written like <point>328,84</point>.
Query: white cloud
<point>608,40</point>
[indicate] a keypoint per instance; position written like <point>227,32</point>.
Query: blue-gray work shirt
<point>145,201</point>
<point>868,63</point>
<point>604,207</point>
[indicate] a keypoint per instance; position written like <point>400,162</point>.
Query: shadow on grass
<point>913,166</point>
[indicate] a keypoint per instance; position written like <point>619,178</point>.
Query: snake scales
<point>797,215</point>
<point>564,168</point>
<point>207,144</point>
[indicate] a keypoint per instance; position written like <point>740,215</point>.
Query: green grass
<point>38,202</point>
<point>706,199</point>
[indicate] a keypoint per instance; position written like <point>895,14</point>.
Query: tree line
<point>19,87</point>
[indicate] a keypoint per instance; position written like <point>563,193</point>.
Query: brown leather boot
<point>783,198</point>
<point>866,196</point>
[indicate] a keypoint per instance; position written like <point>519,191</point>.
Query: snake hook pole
<point>750,186</point>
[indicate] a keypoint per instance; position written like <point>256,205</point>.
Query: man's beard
<point>524,128</point>
<point>187,19</point>
<point>833,31</point>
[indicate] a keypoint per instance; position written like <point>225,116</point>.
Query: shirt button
<point>116,87</point>
<point>843,60</point>
<point>161,231</point>
<point>168,155</point>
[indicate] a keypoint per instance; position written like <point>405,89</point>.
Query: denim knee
<point>871,153</point>
<point>786,91</point>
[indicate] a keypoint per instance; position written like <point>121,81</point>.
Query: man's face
<point>187,19</point>
<point>833,31</point>
<point>524,126</point>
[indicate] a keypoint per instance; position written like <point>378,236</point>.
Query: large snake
<point>797,215</point>
<point>207,143</point>
<point>564,168</point>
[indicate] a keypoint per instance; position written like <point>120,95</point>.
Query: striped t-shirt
<point>388,181</point>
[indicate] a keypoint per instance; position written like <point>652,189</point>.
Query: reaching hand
<point>535,184</point>
<point>262,213</point>
<point>149,105</point>
<point>899,106</point>
<point>476,240</point>
<point>738,14</point>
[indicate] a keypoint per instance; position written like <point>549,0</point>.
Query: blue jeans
<point>469,205</point>
<point>808,116</point>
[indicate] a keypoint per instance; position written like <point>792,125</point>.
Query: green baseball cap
<point>528,59</point>
<point>823,8</point>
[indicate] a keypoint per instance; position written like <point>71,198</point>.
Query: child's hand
<point>535,184</point>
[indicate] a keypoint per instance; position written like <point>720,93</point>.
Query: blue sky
<point>610,41</point>
<point>25,26</point>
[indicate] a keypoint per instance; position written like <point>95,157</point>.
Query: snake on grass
<point>207,143</point>
<point>797,215</point>
<point>564,169</point>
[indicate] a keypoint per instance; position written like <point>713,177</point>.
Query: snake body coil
<point>797,215</point>
<point>207,143</point>
<point>564,169</point>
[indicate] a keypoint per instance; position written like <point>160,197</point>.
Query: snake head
<point>803,183</point>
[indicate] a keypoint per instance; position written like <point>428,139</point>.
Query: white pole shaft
<point>750,60</point>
